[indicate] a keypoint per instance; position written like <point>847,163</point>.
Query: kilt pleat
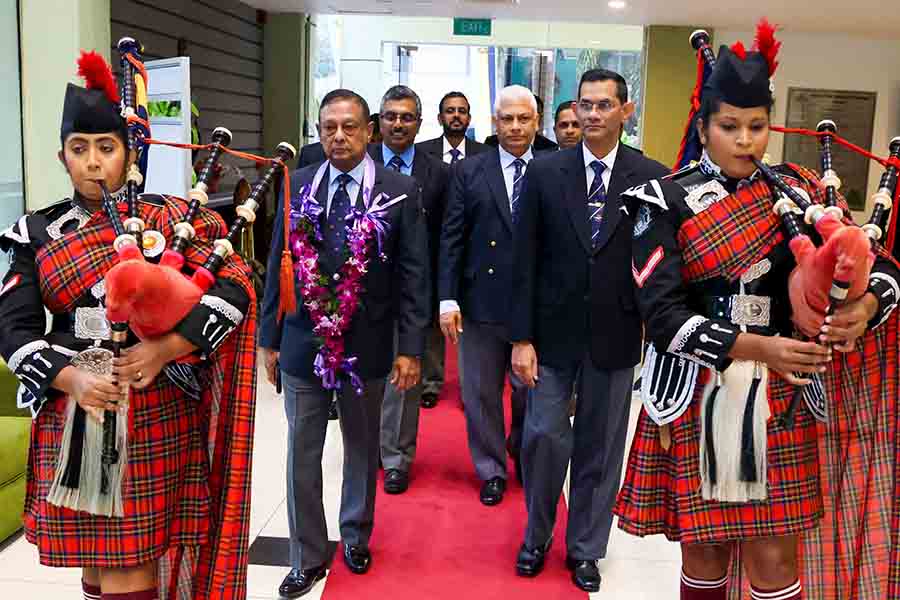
<point>661,491</point>
<point>166,494</point>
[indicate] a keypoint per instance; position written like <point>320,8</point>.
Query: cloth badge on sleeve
<point>640,277</point>
<point>10,284</point>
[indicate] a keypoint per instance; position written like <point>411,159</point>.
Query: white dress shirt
<point>509,171</point>
<point>609,160</point>
<point>356,173</point>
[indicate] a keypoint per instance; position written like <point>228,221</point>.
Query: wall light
<point>617,4</point>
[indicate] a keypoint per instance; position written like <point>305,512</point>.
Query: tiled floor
<point>636,569</point>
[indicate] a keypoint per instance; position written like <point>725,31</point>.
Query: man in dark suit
<point>401,116</point>
<point>566,126</point>
<point>574,324</point>
<point>314,154</point>
<point>394,298</point>
<point>475,278</point>
<point>541,143</point>
<point>454,116</point>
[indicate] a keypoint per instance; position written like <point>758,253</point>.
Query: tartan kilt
<point>166,494</point>
<point>661,491</point>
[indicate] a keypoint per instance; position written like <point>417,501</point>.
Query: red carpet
<point>437,541</point>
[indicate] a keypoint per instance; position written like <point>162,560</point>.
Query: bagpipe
<point>836,271</point>
<point>146,298</point>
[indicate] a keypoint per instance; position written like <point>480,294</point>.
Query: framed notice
<point>854,115</point>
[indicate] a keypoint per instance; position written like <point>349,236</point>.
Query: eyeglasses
<point>405,118</point>
<point>603,106</point>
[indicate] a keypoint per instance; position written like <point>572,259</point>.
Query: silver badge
<point>703,196</point>
<point>91,324</point>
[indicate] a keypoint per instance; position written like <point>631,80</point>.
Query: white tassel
<point>728,416</point>
<point>87,496</point>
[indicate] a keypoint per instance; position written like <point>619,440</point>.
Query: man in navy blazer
<point>475,280</point>
<point>395,294</point>
<point>574,324</point>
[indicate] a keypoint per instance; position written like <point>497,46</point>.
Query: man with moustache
<point>575,326</point>
<point>566,126</point>
<point>540,143</point>
<point>400,119</point>
<point>394,298</point>
<point>454,116</point>
<point>475,278</point>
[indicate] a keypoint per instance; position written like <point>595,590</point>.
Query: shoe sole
<point>491,502</point>
<point>395,491</point>
<point>590,589</point>
<point>529,574</point>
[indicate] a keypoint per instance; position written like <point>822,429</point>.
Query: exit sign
<point>472,27</point>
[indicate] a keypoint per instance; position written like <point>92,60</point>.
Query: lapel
<point>421,170</point>
<point>376,189</point>
<point>575,184</point>
<point>376,154</point>
<point>620,180</point>
<point>494,173</point>
<point>322,194</point>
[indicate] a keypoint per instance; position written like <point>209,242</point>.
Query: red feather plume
<point>97,75</point>
<point>739,50</point>
<point>766,44</point>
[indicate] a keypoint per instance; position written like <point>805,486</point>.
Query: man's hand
<point>270,361</point>
<point>849,323</point>
<point>406,372</point>
<point>525,363</point>
<point>451,325</point>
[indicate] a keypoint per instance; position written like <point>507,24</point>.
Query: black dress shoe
<point>585,574</point>
<point>357,558</point>
<point>395,481</point>
<point>429,400</point>
<point>492,491</point>
<point>300,581</point>
<point>530,561</point>
<point>332,411</point>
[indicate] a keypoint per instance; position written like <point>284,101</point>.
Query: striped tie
<point>518,176</point>
<point>396,163</point>
<point>596,199</point>
<point>454,155</point>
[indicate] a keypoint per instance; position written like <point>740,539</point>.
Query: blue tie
<point>335,233</point>
<point>596,199</point>
<point>454,155</point>
<point>518,176</point>
<point>396,163</point>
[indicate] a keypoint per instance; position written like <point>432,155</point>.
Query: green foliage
<point>164,108</point>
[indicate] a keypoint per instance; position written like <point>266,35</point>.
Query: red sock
<point>791,592</point>
<point>91,592</point>
<point>703,589</point>
<point>143,595</point>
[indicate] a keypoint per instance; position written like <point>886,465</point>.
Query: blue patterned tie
<point>596,199</point>
<point>335,234</point>
<point>396,163</point>
<point>454,155</point>
<point>518,177</point>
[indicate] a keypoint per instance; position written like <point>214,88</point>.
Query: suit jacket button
<point>490,271</point>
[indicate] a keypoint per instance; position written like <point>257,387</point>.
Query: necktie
<point>335,233</point>
<point>596,199</point>
<point>518,176</point>
<point>454,155</point>
<point>396,163</point>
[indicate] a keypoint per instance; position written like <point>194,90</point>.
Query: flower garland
<point>332,302</point>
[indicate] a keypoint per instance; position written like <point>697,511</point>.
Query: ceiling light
<point>616,4</point>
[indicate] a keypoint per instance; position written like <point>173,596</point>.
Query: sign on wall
<point>854,114</point>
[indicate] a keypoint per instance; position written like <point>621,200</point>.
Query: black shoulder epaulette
<point>52,209</point>
<point>154,199</point>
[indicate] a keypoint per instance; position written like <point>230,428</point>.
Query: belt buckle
<point>754,311</point>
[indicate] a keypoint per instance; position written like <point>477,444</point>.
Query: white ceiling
<point>870,17</point>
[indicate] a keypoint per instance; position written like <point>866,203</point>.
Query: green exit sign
<point>472,27</point>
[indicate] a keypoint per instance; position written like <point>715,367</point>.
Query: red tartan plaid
<point>738,230</point>
<point>188,491</point>
<point>661,491</point>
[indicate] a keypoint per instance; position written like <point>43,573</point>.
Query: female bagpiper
<point>713,466</point>
<point>180,529</point>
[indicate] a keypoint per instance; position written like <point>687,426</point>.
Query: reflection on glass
<point>11,189</point>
